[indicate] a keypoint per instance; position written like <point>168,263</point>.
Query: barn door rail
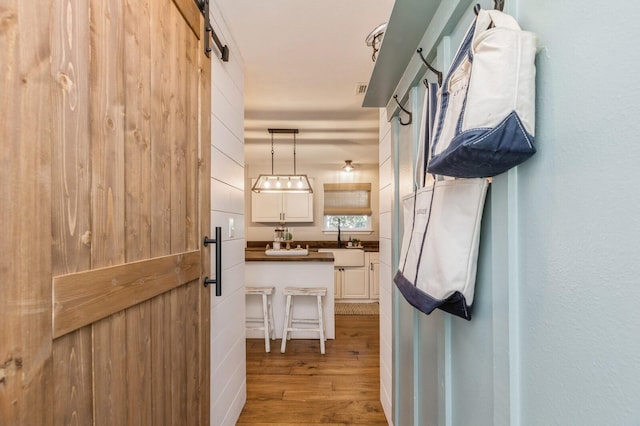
<point>218,242</point>
<point>203,5</point>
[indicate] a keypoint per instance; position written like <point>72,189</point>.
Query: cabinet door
<point>373,274</point>
<point>354,283</point>
<point>266,207</point>
<point>298,207</point>
<point>337,283</point>
<point>293,208</point>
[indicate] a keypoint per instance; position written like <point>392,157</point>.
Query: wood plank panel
<point>26,388</point>
<point>73,384</point>
<point>110,371</point>
<point>178,351</point>
<point>196,367</point>
<point>193,142</point>
<point>191,15</point>
<point>137,51</point>
<point>178,129</point>
<point>160,134</point>
<point>116,288</point>
<point>71,178</point>
<point>160,361</point>
<point>160,203</point>
<point>191,338</point>
<point>138,364</point>
<point>71,200</point>
<point>107,133</point>
<point>108,208</point>
<point>138,179</point>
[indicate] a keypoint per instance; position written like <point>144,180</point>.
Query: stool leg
<point>285,329</point>
<point>272,324</point>
<point>321,324</point>
<point>291,310</point>
<point>265,320</point>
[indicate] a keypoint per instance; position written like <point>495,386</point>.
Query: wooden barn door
<point>131,331</point>
<point>106,164</point>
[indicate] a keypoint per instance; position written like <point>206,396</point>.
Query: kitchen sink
<point>345,257</point>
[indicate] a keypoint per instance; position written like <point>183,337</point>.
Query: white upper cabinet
<point>289,207</point>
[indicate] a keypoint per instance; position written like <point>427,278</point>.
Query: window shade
<point>347,199</point>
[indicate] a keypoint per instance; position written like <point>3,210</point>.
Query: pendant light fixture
<point>274,183</point>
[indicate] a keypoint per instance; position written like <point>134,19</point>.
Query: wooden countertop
<point>367,246</point>
<point>259,256</point>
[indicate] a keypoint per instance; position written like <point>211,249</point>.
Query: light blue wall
<point>555,334</point>
<point>579,218</point>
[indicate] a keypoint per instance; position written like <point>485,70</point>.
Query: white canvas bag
<point>486,108</point>
<point>438,257</point>
<point>438,263</point>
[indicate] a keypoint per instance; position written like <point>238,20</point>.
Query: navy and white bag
<point>438,258</point>
<point>486,107</point>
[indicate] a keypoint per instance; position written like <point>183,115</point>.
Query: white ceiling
<point>303,60</point>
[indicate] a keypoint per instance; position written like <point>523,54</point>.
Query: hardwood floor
<point>303,387</point>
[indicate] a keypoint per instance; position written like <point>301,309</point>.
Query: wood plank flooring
<point>303,387</point>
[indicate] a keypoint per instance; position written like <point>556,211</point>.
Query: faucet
<point>339,241</point>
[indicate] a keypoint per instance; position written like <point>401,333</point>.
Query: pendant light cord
<point>271,154</point>
<point>294,154</point>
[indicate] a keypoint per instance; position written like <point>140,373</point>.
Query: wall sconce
<point>348,167</point>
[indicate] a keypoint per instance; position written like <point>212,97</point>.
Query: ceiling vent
<point>361,88</point>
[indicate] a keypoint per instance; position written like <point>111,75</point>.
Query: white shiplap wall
<point>228,368</point>
<point>386,270</point>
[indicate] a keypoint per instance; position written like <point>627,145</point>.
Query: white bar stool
<point>290,292</point>
<point>268,324</point>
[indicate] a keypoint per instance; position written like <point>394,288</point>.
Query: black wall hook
<point>435,71</point>
<point>407,112</point>
<point>497,5</point>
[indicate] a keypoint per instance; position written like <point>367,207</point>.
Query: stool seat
<point>290,293</point>
<point>268,324</point>
<point>305,291</point>
<point>259,290</point>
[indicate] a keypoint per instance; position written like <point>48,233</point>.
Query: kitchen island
<point>313,270</point>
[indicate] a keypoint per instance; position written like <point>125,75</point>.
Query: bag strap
<point>433,106</point>
<point>419,163</point>
<point>492,18</point>
<point>462,53</point>
<point>426,131</point>
<point>423,155</point>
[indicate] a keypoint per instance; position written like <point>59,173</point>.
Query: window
<point>347,222</point>
<point>349,203</point>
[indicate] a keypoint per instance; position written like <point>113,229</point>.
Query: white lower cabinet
<point>372,260</point>
<point>359,283</point>
<point>354,285</point>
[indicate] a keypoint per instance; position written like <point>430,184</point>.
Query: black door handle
<point>218,242</point>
